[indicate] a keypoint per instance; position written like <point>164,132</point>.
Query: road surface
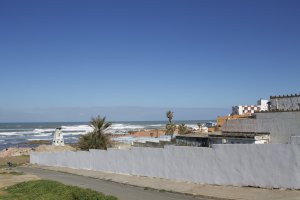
<point>122,191</point>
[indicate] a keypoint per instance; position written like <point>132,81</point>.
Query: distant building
<point>281,125</point>
<point>58,139</point>
<point>281,121</point>
<point>285,102</point>
<point>197,140</point>
<point>262,105</point>
<point>194,140</point>
<point>210,124</point>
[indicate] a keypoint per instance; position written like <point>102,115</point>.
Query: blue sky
<point>98,56</point>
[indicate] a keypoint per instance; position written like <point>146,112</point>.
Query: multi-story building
<point>280,122</point>
<point>262,105</point>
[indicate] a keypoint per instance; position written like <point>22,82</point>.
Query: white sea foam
<point>24,132</point>
<point>157,125</point>
<point>32,139</point>
<point>9,133</point>
<point>66,129</point>
<point>74,133</point>
<point>12,133</point>
<point>71,138</point>
<point>9,129</point>
<point>77,128</point>
<point>125,126</point>
<point>43,130</point>
<point>43,135</point>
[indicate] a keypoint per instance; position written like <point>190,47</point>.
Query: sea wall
<point>268,166</point>
<point>280,125</point>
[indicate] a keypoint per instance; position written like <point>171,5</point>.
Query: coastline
<point>25,151</point>
<point>46,146</point>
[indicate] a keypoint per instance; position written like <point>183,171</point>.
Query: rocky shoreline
<point>21,151</point>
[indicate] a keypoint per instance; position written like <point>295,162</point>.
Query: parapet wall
<point>291,102</point>
<point>280,125</point>
<point>268,166</point>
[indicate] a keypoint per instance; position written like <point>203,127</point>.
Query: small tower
<point>58,139</point>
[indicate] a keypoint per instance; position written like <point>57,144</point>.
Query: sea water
<point>18,134</point>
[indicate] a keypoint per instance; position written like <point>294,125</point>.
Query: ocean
<point>19,134</point>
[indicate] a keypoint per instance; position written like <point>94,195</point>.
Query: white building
<point>58,139</point>
<point>262,105</point>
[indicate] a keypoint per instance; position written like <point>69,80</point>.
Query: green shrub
<point>51,190</point>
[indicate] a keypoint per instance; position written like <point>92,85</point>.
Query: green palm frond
<point>97,139</point>
<point>170,115</point>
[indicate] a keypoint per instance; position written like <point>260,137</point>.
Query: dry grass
<point>3,193</point>
<point>16,160</point>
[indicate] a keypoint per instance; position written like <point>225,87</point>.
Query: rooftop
<point>225,134</point>
<point>284,96</point>
<point>278,110</point>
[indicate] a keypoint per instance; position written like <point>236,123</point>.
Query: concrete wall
<point>271,166</point>
<point>285,103</point>
<point>280,125</point>
<point>295,140</point>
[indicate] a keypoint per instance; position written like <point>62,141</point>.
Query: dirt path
<point>9,177</point>
<point>199,190</point>
<point>122,191</point>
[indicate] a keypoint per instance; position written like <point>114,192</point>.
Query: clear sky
<point>109,54</point>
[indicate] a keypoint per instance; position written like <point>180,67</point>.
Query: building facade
<point>281,125</point>
<point>262,105</point>
<point>281,119</point>
<point>196,140</point>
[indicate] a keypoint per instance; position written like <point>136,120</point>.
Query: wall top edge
<point>285,96</point>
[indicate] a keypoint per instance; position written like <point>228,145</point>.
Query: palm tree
<point>182,129</point>
<point>170,127</point>
<point>199,125</point>
<point>170,116</point>
<point>97,139</point>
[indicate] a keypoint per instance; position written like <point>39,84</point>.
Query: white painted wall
<point>271,166</point>
<point>263,104</point>
<point>295,140</point>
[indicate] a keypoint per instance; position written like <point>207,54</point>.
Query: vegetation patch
<point>49,190</point>
<point>39,142</point>
<point>3,166</point>
<point>146,188</point>
<point>2,193</point>
<point>16,160</point>
<point>97,139</point>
